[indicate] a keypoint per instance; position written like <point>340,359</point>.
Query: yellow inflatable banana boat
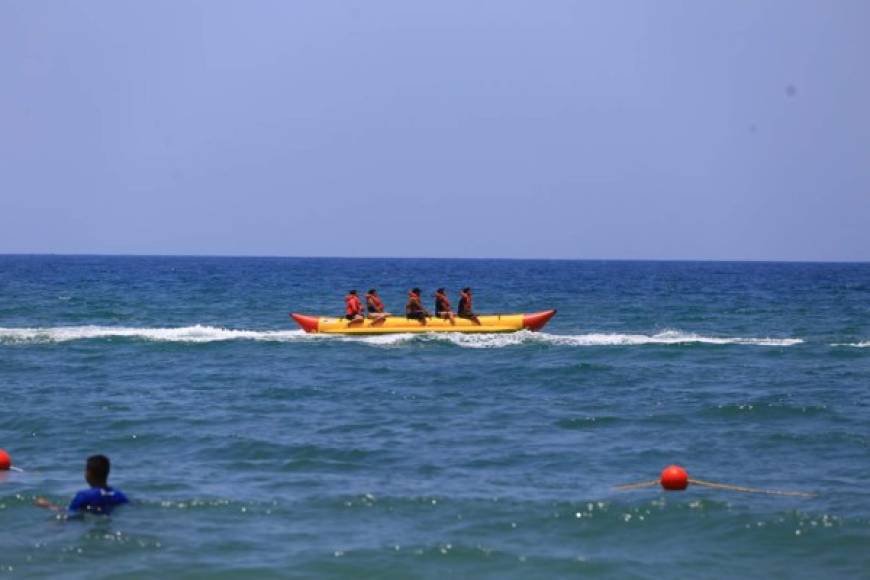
<point>397,324</point>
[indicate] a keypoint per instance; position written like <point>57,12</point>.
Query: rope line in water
<point>676,478</point>
<point>715,485</point>
<point>638,485</point>
<point>743,489</point>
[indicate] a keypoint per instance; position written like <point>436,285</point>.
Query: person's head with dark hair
<point>415,291</point>
<point>440,291</point>
<point>97,470</point>
<point>466,289</point>
<point>352,292</point>
<point>373,291</point>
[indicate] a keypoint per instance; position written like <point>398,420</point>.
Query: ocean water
<point>251,449</point>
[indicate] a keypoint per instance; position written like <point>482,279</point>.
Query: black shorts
<point>352,316</point>
<point>415,316</point>
<point>467,315</point>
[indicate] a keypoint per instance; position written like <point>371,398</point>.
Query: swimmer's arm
<point>45,503</point>
<point>75,505</point>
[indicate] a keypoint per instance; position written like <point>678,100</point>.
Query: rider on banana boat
<point>466,309</point>
<point>353,310</point>
<point>442,306</point>
<point>414,307</point>
<point>374,306</point>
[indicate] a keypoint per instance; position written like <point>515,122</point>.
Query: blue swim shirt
<point>97,500</point>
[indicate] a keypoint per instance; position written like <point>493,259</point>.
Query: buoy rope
<point>744,489</point>
<point>639,485</point>
<point>714,485</point>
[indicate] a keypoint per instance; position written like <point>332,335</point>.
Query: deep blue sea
<point>253,450</point>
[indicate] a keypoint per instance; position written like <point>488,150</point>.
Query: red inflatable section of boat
<point>537,320</point>
<point>308,323</point>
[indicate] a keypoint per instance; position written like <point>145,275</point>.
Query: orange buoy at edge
<point>674,478</point>
<point>5,460</point>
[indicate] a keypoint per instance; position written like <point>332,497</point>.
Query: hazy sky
<point>617,129</point>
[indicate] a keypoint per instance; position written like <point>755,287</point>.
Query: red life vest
<point>413,306</point>
<point>465,303</point>
<point>442,304</point>
<point>352,305</point>
<point>374,303</point>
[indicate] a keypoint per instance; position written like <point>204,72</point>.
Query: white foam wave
<point>197,333</point>
<point>202,334</point>
<point>600,339</point>
<point>862,344</point>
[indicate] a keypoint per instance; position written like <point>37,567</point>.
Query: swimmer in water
<point>99,498</point>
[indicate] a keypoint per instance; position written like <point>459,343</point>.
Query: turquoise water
<point>251,448</point>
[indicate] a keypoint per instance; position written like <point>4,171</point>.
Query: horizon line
<point>468,258</point>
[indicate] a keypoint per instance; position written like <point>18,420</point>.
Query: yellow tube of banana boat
<point>400,324</point>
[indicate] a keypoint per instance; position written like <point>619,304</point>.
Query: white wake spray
<point>600,339</point>
<point>204,334</point>
<point>195,333</point>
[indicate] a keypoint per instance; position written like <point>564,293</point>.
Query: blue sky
<point>625,129</point>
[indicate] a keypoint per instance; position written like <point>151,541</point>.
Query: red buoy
<point>674,478</point>
<point>5,460</point>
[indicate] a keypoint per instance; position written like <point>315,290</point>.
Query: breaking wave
<point>204,334</point>
<point>195,333</point>
<point>862,344</point>
<point>599,339</point>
